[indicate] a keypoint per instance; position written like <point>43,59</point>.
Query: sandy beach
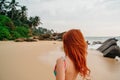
<point>36,60</point>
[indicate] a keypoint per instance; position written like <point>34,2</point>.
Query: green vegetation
<point>9,31</point>
<point>23,31</point>
<point>4,33</point>
<point>14,22</point>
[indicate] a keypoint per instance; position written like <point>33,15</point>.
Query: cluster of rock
<point>94,42</point>
<point>31,39</point>
<point>110,48</point>
<point>54,36</point>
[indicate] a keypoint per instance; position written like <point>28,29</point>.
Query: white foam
<point>117,58</point>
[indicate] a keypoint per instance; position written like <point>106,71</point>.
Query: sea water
<point>101,39</point>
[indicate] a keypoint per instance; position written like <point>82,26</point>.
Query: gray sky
<point>93,17</point>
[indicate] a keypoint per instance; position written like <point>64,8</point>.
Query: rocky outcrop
<point>19,40</point>
<point>54,36</point>
<point>96,42</point>
<point>107,44</point>
<point>110,48</point>
<point>112,52</point>
<point>57,36</point>
<point>31,39</point>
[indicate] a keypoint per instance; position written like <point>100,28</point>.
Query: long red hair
<point>75,48</point>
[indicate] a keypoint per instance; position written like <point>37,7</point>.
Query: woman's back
<point>70,72</point>
<point>65,69</point>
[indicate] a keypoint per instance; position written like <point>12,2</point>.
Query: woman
<point>74,62</point>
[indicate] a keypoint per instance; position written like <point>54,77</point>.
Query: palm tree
<point>23,10</point>
<point>3,6</point>
<point>23,14</point>
<point>30,22</point>
<point>34,21</point>
<point>12,6</point>
<point>52,31</point>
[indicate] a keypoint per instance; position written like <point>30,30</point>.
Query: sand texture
<point>36,60</point>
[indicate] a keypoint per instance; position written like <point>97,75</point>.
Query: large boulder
<point>107,44</point>
<point>46,36</point>
<point>109,48</point>
<point>31,39</point>
<point>41,37</point>
<point>110,40</point>
<point>88,43</point>
<point>35,37</point>
<point>112,52</point>
<point>59,36</point>
<point>19,40</point>
<point>96,42</point>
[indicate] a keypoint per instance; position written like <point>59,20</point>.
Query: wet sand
<point>36,60</point>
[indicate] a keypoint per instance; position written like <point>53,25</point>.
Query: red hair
<point>75,47</point>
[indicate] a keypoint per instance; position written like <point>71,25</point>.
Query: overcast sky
<point>93,17</point>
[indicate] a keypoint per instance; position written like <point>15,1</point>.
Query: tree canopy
<point>15,23</point>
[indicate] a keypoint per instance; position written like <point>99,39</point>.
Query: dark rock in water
<point>88,42</point>
<point>112,52</point>
<point>105,46</point>
<point>96,42</point>
<point>109,48</point>
<point>108,42</point>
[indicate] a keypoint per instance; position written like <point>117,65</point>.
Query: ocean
<point>101,39</point>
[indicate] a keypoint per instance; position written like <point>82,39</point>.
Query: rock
<point>107,44</point>
<point>59,39</point>
<point>52,37</point>
<point>59,36</point>
<point>88,42</point>
<point>46,36</point>
<point>31,39</point>
<point>41,37</point>
<point>112,52</point>
<point>20,40</point>
<point>54,34</point>
<point>110,40</point>
<point>35,37</point>
<point>96,42</point>
<point>5,39</point>
<point>109,48</point>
